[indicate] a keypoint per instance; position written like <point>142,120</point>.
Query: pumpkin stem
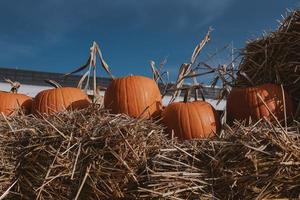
<point>186,95</point>
<point>196,95</point>
<point>197,91</point>
<point>200,89</point>
<point>14,85</point>
<point>53,83</point>
<point>188,91</point>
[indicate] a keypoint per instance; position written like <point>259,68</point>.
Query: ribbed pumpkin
<point>243,103</point>
<point>59,99</point>
<point>136,96</point>
<point>191,120</point>
<point>11,101</point>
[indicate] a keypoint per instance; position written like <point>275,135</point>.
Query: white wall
<point>32,90</point>
<point>220,106</point>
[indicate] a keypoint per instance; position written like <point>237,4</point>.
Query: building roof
<point>37,78</point>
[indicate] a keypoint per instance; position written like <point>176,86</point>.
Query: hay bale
<point>274,58</point>
<point>7,169</point>
<point>91,154</point>
<point>87,154</point>
<point>8,161</point>
<point>258,161</point>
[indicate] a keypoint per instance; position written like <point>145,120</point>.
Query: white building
<point>33,82</point>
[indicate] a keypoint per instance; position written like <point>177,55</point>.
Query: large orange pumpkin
<point>11,101</point>
<point>136,96</point>
<point>190,120</point>
<point>243,103</point>
<point>59,99</point>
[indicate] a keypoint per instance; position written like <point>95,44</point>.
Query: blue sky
<point>55,35</point>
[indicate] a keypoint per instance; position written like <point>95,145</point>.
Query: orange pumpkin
<point>11,101</point>
<point>243,103</point>
<point>190,120</point>
<point>136,96</point>
<point>59,99</point>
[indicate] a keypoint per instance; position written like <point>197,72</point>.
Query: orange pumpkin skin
<point>191,120</point>
<point>243,103</point>
<point>59,99</point>
<point>136,96</point>
<point>9,102</point>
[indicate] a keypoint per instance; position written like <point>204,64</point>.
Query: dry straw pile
<point>87,154</point>
<point>274,58</point>
<point>90,154</point>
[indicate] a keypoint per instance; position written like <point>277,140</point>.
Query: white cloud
<point>49,22</point>
<point>12,50</point>
<point>177,13</point>
<point>60,17</point>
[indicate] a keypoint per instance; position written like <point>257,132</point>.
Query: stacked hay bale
<point>255,162</point>
<point>7,167</point>
<point>274,58</point>
<point>91,154</point>
<point>87,154</point>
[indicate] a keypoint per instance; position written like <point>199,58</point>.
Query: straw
<point>91,154</point>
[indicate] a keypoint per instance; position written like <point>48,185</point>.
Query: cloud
<point>58,17</point>
<point>12,51</point>
<point>183,14</point>
<point>166,14</point>
<point>32,25</point>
